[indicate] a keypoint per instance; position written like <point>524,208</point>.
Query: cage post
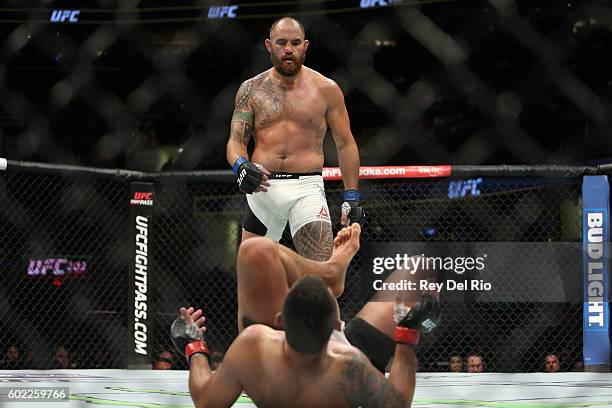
<point>139,313</point>
<point>595,238</point>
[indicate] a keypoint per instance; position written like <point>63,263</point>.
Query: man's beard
<point>287,70</point>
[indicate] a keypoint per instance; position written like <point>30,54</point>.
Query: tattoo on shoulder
<point>258,103</point>
<point>314,241</point>
<point>243,94</point>
<point>268,100</point>
<point>362,385</point>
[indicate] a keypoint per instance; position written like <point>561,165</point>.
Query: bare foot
<point>346,245</point>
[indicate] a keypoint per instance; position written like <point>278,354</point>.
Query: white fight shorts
<point>297,198</point>
<point>339,336</point>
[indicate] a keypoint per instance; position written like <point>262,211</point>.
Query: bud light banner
<point>595,236</point>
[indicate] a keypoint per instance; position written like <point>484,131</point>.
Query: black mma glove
<point>422,317</point>
<point>248,174</point>
<point>351,207</point>
<point>187,338</point>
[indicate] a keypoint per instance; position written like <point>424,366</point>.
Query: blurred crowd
<point>14,358</point>
<point>475,363</point>
<point>168,360</point>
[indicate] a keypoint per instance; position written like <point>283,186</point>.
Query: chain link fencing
<point>152,88</point>
<point>67,255</point>
<point>65,280</point>
<point>467,82</point>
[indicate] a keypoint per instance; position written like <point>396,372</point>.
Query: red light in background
<point>57,282</point>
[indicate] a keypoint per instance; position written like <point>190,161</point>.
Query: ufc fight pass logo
<point>142,198</point>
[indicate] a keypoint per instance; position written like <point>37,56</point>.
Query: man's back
<point>273,379</point>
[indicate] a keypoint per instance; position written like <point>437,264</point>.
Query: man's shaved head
<point>287,46</point>
<point>287,20</point>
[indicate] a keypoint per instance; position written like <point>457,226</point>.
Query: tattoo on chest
<point>268,101</point>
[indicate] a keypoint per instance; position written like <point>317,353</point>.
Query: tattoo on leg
<point>314,241</point>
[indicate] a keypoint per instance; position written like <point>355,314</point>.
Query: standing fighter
<point>288,109</point>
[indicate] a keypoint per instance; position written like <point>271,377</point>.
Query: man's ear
<point>268,44</point>
<point>306,44</point>
<point>278,320</point>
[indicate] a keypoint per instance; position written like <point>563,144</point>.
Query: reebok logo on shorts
<point>323,213</point>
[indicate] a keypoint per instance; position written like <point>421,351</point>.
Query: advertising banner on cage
<point>139,293</point>
<point>595,241</point>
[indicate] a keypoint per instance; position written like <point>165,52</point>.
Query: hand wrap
<point>422,317</point>
<point>249,176</point>
<point>187,338</point>
<point>352,208</point>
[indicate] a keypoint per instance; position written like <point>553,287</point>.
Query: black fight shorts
<point>378,347</point>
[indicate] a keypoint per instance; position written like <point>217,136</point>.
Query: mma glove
<point>188,339</point>
<point>351,207</point>
<point>249,176</point>
<point>422,317</point>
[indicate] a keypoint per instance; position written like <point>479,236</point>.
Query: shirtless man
<point>301,366</point>
<point>306,367</point>
<point>266,271</point>
<point>288,109</point>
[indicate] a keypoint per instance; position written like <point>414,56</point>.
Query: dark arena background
<point>478,123</point>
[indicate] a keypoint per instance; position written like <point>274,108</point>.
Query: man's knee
<point>255,251</point>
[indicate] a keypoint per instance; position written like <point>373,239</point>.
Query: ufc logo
<point>220,12</point>
<point>428,324</point>
<point>376,3</point>
<point>143,196</point>
<point>60,16</point>
<point>241,176</point>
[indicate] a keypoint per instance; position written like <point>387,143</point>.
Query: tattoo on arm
<point>364,386</point>
<point>242,126</point>
<point>314,241</point>
<point>242,119</point>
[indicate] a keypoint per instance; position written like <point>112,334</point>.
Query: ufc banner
<point>139,305</point>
